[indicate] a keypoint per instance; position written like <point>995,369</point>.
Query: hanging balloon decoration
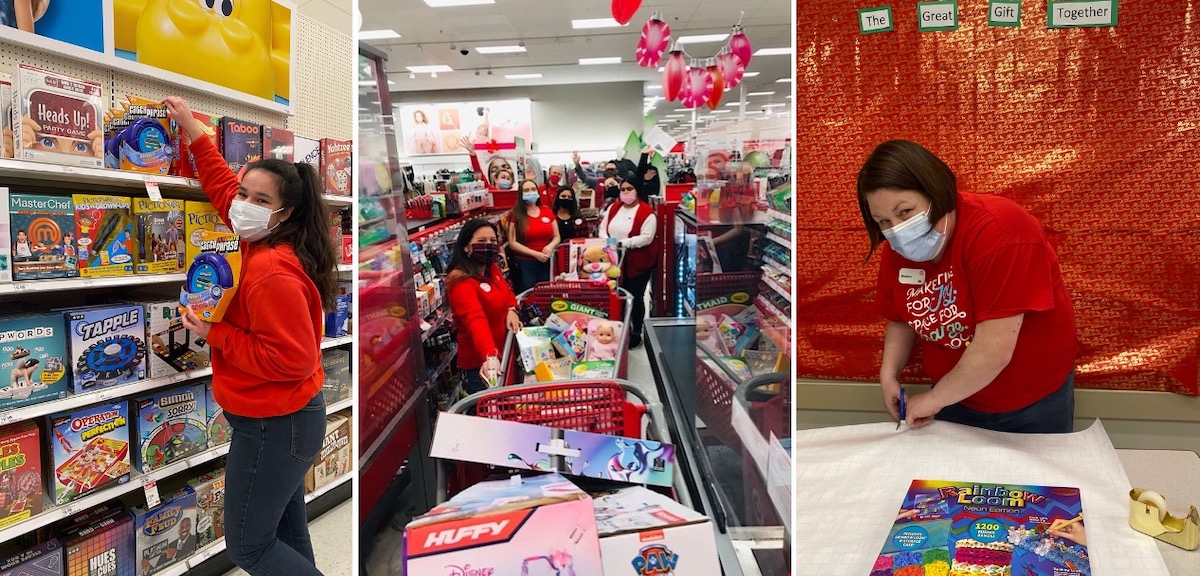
<point>656,36</point>
<point>739,44</point>
<point>623,10</point>
<point>718,84</point>
<point>697,87</point>
<point>731,68</point>
<point>673,74</point>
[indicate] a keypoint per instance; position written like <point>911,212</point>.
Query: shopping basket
<point>618,303</point>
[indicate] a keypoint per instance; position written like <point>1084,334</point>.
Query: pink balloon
<point>697,87</point>
<point>739,44</point>
<point>656,35</point>
<point>673,74</point>
<point>623,10</point>
<point>731,69</point>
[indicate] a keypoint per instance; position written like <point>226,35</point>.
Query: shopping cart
<point>615,407</point>
<point>618,303</point>
<point>560,259</point>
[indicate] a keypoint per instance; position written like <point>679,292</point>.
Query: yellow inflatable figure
<point>273,23</point>
<point>125,21</point>
<point>211,44</point>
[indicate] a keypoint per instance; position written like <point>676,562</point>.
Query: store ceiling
<point>435,36</point>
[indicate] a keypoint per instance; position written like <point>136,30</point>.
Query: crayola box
<point>572,312</point>
<point>150,143</point>
<point>279,143</point>
<point>241,142</point>
<point>212,277</point>
<point>210,507</point>
<point>104,235</point>
<point>199,216</point>
<point>537,526</point>
<point>171,425</point>
<point>166,534</point>
<point>965,527</point>
<point>89,450</point>
<point>173,348</point>
<point>159,236</point>
<point>186,165</point>
<point>644,532</point>
<point>65,113</point>
<point>33,354</point>
<point>20,473</point>
<point>45,559</point>
<point>42,235</point>
<point>107,346</point>
<point>335,166</point>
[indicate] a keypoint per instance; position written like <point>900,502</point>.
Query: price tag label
<point>7,418</point>
<point>150,487</point>
<point>68,170</point>
<point>152,189</point>
<point>20,287</point>
<point>88,282</point>
<point>69,510</point>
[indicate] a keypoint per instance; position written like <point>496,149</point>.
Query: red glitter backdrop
<point>1095,131</point>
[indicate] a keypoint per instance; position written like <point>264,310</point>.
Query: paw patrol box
<point>160,236</point>
<point>334,459</point>
<point>5,236</point>
<point>644,533</point>
<point>33,353</point>
<point>279,144</point>
<point>165,534</point>
<point>542,525</point>
<point>63,114</point>
<point>198,217</point>
<point>335,166</point>
<point>89,450</point>
<point>20,473</point>
<point>173,348</point>
<point>171,425</point>
<point>186,166</point>
<point>241,142</point>
<point>42,237</point>
<point>101,548</point>
<point>210,507</point>
<point>338,384</point>
<point>219,430</point>
<point>104,235</point>
<point>45,559</point>
<point>108,346</point>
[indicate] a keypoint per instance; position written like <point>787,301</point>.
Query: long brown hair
<point>907,166</point>
<point>307,229</point>
<point>519,215</point>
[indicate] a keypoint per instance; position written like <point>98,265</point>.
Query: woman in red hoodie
<point>483,305</point>
<point>266,350</point>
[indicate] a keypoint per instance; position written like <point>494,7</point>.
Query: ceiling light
<point>598,61</point>
<point>773,105</point>
<point>430,69</point>
<point>450,3</point>
<point>701,38</point>
<point>499,49</point>
<point>760,94</point>
<point>654,87</point>
<point>674,116</point>
<point>783,81</point>
<point>721,111</point>
<point>731,104</point>
<point>746,75</point>
<point>773,52</point>
<point>594,23</point>
<point>522,76</point>
<point>377,35</point>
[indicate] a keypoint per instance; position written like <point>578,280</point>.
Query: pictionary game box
<point>89,450</point>
<point>101,548</point>
<point>279,144</point>
<point>108,346</point>
<point>20,473</point>
<point>33,354</point>
<point>219,430</point>
<point>171,425</point>
<point>173,347</point>
<point>159,236</point>
<point>974,528</point>
<point>200,216</point>
<point>210,507</point>
<point>45,559</point>
<point>165,534</point>
<point>42,232</point>
<point>335,166</point>
<point>104,235</point>
<point>241,142</point>
<point>63,114</point>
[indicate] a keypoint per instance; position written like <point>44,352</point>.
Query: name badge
<point>545,219</point>
<point>578,221</point>
<point>485,286</point>
<point>912,276</point>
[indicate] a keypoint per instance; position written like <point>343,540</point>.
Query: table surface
<point>1176,475</point>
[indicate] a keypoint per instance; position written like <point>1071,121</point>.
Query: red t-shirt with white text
<point>997,263</point>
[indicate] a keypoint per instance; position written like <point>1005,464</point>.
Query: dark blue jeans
<point>1054,414</point>
<point>473,381</point>
<point>266,524</point>
<point>528,273</point>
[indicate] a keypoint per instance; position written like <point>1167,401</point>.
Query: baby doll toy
<point>599,264</point>
<point>709,335</point>
<point>602,339</point>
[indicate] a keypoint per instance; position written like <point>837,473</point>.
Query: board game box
<point>42,231</point>
<point>210,507</point>
<point>335,166</point>
<point>20,473</point>
<point>212,278</point>
<point>104,548</point>
<point>150,143</point>
<point>159,232</point>
<point>89,450</point>
<point>337,386</point>
<point>973,528</point>
<point>64,114</point>
<point>308,151</point>
<point>45,559</point>
<point>219,430</point>
<point>33,351</point>
<point>333,461</point>
<point>171,425</point>
<point>108,346</point>
<point>279,143</point>
<point>104,235</point>
<point>186,165</point>
<point>200,216</point>
<point>166,534</point>
<point>174,348</point>
<point>6,100</point>
<point>241,142</point>
<point>5,237</point>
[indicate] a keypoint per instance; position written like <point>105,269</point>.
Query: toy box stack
<point>89,450</point>
<point>45,559</point>
<point>42,229</point>
<point>107,346</point>
<point>575,342</point>
<point>335,166</point>
<point>173,347</point>
<point>338,384</point>
<point>279,144</point>
<point>101,547</point>
<point>33,355</point>
<point>219,430</point>
<point>171,425</point>
<point>165,534</point>
<point>67,112</point>
<point>210,507</point>
<point>159,234</point>
<point>653,534</point>
<point>20,473</point>
<point>334,459</point>
<point>104,235</point>
<point>241,142</point>
<point>538,525</point>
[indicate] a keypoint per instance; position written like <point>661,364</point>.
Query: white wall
<point>594,119</point>
<point>334,14</point>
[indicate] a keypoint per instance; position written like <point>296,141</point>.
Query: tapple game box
<point>89,450</point>
<point>108,346</point>
<point>20,473</point>
<point>42,236</point>
<point>171,425</point>
<point>974,528</point>
<point>62,113</point>
<point>159,232</point>
<point>166,534</point>
<point>241,142</point>
<point>33,355</point>
<point>104,235</point>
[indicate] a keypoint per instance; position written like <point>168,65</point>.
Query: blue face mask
<point>530,197</point>
<point>915,239</point>
<point>504,184</point>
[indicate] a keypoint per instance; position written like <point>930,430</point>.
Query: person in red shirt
<point>266,350</point>
<point>532,237</point>
<point>634,225</point>
<point>975,280</point>
<point>483,305</point>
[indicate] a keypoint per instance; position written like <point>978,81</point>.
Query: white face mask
<point>250,221</point>
<point>915,238</point>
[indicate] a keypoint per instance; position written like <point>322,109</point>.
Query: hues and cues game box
<point>101,548</point>
<point>89,450</point>
<point>42,235</point>
<point>63,115</point>
<point>971,528</point>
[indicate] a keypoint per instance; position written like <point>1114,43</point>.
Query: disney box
<point>969,527</point>
<point>108,346</point>
<point>65,113</point>
<point>20,473</point>
<point>45,559</point>
<point>89,450</point>
<point>41,235</point>
<point>171,425</point>
<point>159,236</point>
<point>537,526</point>
<point>104,235</point>
<point>644,533</point>
<point>166,534</point>
<point>33,354</point>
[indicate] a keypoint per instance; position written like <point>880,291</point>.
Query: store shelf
<point>339,406</point>
<point>79,283</point>
<point>209,455</point>
<point>777,215</point>
<point>335,342</point>
<point>780,240</point>
<point>345,268</point>
<point>99,396</point>
<point>439,320</point>
<point>773,311</point>
<point>434,375</point>
<point>204,554</point>
<point>26,170</point>
<point>372,221</point>
<point>334,199</point>
<point>417,224</point>
<point>776,287</point>
<point>330,487</point>
<point>777,267</point>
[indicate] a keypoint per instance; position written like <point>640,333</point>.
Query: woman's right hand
<point>181,113</point>
<point>891,396</point>
<point>467,144</point>
<point>490,369</point>
<point>541,256</point>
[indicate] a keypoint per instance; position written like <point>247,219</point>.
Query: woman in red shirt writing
<point>483,305</point>
<point>532,237</point>
<point>266,350</point>
<point>975,280</point>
